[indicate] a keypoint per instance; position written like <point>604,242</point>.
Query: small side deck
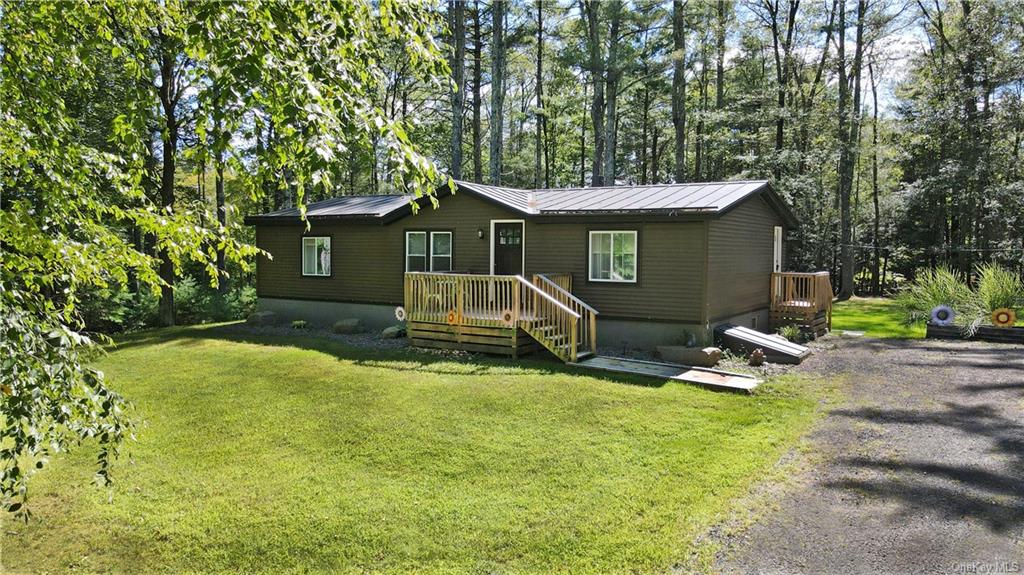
<point>802,299</point>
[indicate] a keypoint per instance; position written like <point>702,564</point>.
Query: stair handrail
<point>547,296</point>
<point>587,329</point>
<point>563,319</point>
<point>566,293</point>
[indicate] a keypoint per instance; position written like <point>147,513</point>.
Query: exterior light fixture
<point>480,233</point>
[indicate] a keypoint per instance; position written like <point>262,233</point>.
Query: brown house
<point>635,266</point>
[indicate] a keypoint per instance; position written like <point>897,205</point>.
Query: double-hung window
<point>428,251</point>
<point>316,256</point>
<point>440,251</point>
<point>613,256</point>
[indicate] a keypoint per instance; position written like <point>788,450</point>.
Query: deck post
<point>459,305</point>
<point>593,333</point>
<point>572,339</point>
<point>516,295</point>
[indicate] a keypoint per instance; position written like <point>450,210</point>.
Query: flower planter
<point>984,333</point>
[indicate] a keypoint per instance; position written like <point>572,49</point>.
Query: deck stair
<point>492,313</point>
<point>710,378</point>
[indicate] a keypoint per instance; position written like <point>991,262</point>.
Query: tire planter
<point>984,333</point>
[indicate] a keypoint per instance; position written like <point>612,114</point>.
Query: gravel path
<point>922,469</point>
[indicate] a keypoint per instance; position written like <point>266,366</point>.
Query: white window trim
<point>777,249</point>
<point>430,250</point>
<point>491,241</point>
<point>330,250</point>
<point>590,257</point>
<point>426,249</point>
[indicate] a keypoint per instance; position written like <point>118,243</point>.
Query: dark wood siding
<point>740,245</point>
<point>368,259</point>
<point>670,270</point>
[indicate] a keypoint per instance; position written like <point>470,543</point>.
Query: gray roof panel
<point>346,206</point>
<point>704,197</point>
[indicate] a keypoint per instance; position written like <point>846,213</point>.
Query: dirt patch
<point>920,470</point>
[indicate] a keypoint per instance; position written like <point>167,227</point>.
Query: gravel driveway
<point>922,470</point>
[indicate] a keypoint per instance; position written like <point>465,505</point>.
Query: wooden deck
<point>491,314</point>
<point>802,299</point>
<point>710,378</point>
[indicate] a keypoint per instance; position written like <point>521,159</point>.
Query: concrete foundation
<point>637,334</point>
<point>375,317</point>
<point>757,320</point>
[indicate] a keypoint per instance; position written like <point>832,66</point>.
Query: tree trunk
<point>612,96</point>
<point>222,212</point>
<point>876,255</point>
<point>645,116</point>
<point>478,170</point>
<point>679,88</point>
<point>720,31</point>
<point>168,102</point>
<point>845,165</point>
<point>782,50</point>
<point>654,157</point>
<point>497,88</point>
<point>541,116</point>
<point>457,16</point>
<point>590,10</point>
<point>583,142</point>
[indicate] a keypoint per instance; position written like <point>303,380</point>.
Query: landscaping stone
<point>262,318</point>
<point>696,356</point>
<point>349,325</point>
<point>392,332</point>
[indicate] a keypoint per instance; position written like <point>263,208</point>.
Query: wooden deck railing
<point>493,301</point>
<point>561,279</point>
<point>802,293</point>
<point>555,286</point>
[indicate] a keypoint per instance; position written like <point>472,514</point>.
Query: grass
<point>284,454</point>
<point>876,317</point>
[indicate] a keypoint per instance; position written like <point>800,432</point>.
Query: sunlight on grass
<point>274,454</point>
<point>876,317</point>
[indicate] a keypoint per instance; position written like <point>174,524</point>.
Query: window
<point>613,256</point>
<point>440,251</point>
<point>316,256</point>
<point>415,251</point>
<point>434,256</point>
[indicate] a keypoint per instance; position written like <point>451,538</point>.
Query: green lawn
<point>297,454</point>
<point>876,317</point>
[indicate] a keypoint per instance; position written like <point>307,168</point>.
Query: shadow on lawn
<point>396,359</point>
<point>955,491</point>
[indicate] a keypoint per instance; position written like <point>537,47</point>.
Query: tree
<point>458,65</point>
<point>477,80</point>
<point>70,203</point>
<point>497,88</point>
<point>590,10</point>
<point>540,126</point>
<point>679,88</point>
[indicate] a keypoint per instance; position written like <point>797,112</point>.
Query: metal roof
<point>345,207</point>
<point>706,197</point>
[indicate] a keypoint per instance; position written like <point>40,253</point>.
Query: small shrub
<point>299,324</point>
<point>792,333</point>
